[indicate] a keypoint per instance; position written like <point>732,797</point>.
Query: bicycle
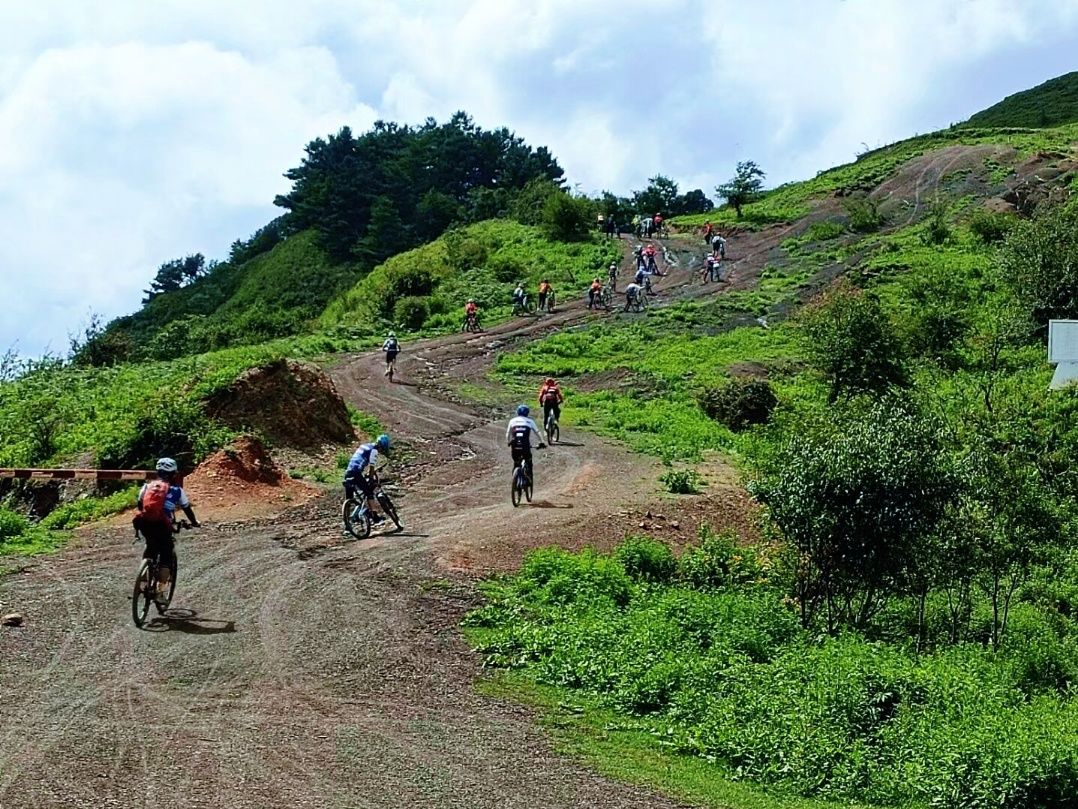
<point>553,431</point>
<point>356,514</point>
<point>522,481</point>
<point>471,324</point>
<point>606,297</point>
<point>524,307</point>
<point>391,367</point>
<point>639,303</point>
<point>145,591</point>
<point>548,303</point>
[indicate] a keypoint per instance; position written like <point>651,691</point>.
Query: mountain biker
<point>471,312</point>
<point>594,291</point>
<point>519,297</point>
<point>550,397</point>
<point>638,254</point>
<point>649,255</point>
<point>544,290</point>
<point>657,220</point>
<point>643,278</point>
<point>718,246</point>
<point>612,274</point>
<point>632,292</point>
<point>708,230</point>
<point>518,436</point>
<point>358,475</point>
<point>156,518</point>
<point>391,348</point>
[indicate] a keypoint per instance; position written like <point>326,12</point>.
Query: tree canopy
<point>744,187</point>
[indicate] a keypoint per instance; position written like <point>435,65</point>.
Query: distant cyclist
<point>544,292</point>
<point>361,468</point>
<point>520,297</point>
<point>649,256</point>
<point>718,246</point>
<point>708,230</point>
<point>551,398</point>
<point>595,292</point>
<point>391,348</point>
<point>638,254</point>
<point>518,436</point>
<point>612,275</point>
<point>156,518</point>
<point>632,294</point>
<point>471,314</point>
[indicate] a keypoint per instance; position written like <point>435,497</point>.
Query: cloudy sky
<point>133,132</point>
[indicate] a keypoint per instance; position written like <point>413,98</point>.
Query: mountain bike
<point>471,324</point>
<point>356,514</point>
<point>524,307</point>
<point>606,297</point>
<point>145,591</point>
<point>548,303</point>
<point>391,366</point>
<point>639,303</point>
<point>553,431</point>
<point>522,482</point>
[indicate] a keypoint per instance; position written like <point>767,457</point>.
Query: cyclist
<point>519,297</point>
<point>632,292</point>
<point>156,518</point>
<point>649,255</point>
<point>594,293</point>
<point>658,222</point>
<point>357,477</point>
<point>518,436</point>
<point>544,290</point>
<point>643,278</point>
<point>612,274</point>
<point>550,397</point>
<point>718,246</point>
<point>391,348</point>
<point>708,230</point>
<point>471,313</point>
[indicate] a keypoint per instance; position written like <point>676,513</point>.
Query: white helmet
<point>393,334</point>
<point>167,465</point>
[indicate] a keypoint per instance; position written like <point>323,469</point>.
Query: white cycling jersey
<point>517,423</point>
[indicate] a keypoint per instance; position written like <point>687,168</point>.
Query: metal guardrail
<point>78,474</point>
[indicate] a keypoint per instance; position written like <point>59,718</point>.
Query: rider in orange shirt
<point>550,398</point>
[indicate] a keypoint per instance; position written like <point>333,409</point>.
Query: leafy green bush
<point>863,213</point>
<point>20,536</point>
<point>646,559</point>
<point>717,562</point>
<point>88,509</point>
<point>992,227</point>
<point>681,481</point>
<point>937,226</point>
<point>1039,263</point>
<point>411,312</point>
<point>566,218</point>
<point>554,576</point>
<point>824,231</point>
<point>739,403</point>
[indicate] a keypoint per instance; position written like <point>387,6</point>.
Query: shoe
<point>377,519</point>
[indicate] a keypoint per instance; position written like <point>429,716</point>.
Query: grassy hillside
<point>426,288</point>
<point>955,688</point>
<point>1050,104</point>
<point>277,293</point>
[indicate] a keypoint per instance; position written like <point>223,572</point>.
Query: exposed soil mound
<point>244,476</point>
<point>293,404</point>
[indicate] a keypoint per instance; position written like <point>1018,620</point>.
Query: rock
<point>675,525</point>
<point>648,514</point>
<point>12,619</point>
<point>642,525</point>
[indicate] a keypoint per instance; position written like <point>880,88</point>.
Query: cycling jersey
<point>364,457</point>
<point>391,347</point>
<point>519,432</point>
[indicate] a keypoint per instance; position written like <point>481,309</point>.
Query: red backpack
<point>153,501</point>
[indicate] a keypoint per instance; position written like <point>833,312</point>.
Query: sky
<point>135,132</point>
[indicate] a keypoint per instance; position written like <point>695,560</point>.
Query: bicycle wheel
<point>550,301</point>
<point>529,307</point>
<point>163,605</point>
<point>143,593</point>
<point>389,509</point>
<point>553,434</point>
<point>517,489</point>
<point>391,367</point>
<point>357,521</point>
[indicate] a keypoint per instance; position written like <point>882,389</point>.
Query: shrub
<point>411,312</point>
<point>681,481</point>
<point>852,341</point>
<point>991,227</point>
<point>717,561</point>
<point>739,403</point>
<point>937,227</point>
<point>864,214</point>
<point>824,231</point>
<point>646,559</point>
<point>566,218</point>
<point>554,576</point>
<point>1040,263</point>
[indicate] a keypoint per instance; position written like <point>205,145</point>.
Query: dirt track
<point>297,669</point>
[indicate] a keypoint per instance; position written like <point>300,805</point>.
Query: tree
<point>852,341</point>
<point>1039,261</point>
<point>744,187</point>
<point>173,275</point>
<point>857,498</point>
<point>566,218</point>
<point>694,201</point>
<point>386,235</point>
<point>660,196</point>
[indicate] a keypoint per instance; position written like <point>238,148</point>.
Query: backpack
<point>392,345</point>
<point>153,501</point>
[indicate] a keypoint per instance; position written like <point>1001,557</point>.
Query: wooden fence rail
<point>79,474</point>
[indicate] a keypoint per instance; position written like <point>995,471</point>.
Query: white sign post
<point>1063,352</point>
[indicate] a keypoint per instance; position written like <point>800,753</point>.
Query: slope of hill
<point>1050,104</point>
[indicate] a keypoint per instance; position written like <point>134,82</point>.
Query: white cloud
<point>133,132</point>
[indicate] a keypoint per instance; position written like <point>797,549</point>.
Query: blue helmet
<point>523,410</point>
<point>382,442</point>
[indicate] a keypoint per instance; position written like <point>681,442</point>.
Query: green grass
<point>1050,104</point>
<point>90,509</point>
<point>630,751</point>
<point>482,261</point>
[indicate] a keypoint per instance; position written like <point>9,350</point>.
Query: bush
<point>566,218</point>
<point>852,341</point>
<point>937,227</point>
<point>646,559</point>
<point>718,562</point>
<point>411,312</point>
<point>1040,263</point>
<point>681,481</point>
<point>991,227</point>
<point>864,214</point>
<point>740,403</point>
<point>554,576</point>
